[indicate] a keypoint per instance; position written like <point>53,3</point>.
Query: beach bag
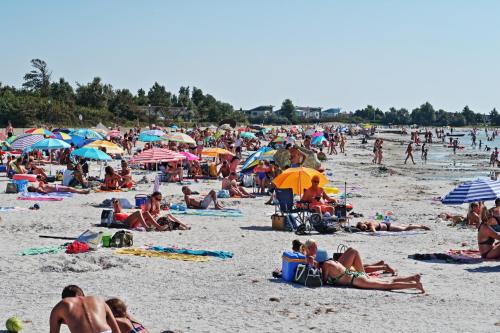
<point>308,276</point>
<point>340,251</point>
<point>106,217</point>
<point>11,188</point>
<point>322,225</point>
<point>122,238</point>
<point>92,239</point>
<point>278,222</point>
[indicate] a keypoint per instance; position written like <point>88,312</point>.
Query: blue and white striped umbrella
<point>473,191</point>
<point>26,140</point>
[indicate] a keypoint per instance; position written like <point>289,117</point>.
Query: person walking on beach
<point>82,314</point>
<point>342,142</point>
<point>424,153</point>
<point>409,152</point>
<point>375,151</point>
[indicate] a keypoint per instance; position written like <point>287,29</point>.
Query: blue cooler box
<point>289,263</point>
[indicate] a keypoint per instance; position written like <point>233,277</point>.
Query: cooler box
<point>22,185</point>
<point>289,263</point>
<point>3,168</point>
<point>24,176</point>
<point>140,199</point>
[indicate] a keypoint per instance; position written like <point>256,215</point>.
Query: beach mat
<point>33,196</point>
<point>158,254</point>
<point>209,212</point>
<point>33,251</point>
<point>452,256</point>
<point>393,234</point>
<point>217,254</point>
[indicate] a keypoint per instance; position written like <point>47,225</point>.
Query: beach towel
<point>33,251</point>
<point>98,190</point>
<point>393,234</point>
<point>209,212</point>
<point>11,209</point>
<point>451,256</point>
<point>218,254</point>
<point>33,196</point>
<point>164,255</point>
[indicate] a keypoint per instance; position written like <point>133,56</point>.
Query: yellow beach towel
<point>164,255</point>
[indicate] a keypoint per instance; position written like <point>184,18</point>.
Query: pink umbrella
<point>317,134</point>
<point>157,155</point>
<point>189,156</point>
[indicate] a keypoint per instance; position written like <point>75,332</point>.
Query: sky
<point>347,54</point>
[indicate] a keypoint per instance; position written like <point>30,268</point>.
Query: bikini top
<point>488,241</point>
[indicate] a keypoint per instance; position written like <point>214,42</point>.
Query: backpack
<point>107,217</point>
<point>323,226</point>
<point>122,238</point>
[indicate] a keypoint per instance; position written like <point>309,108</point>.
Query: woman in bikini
<point>111,179</point>
<point>314,196</point>
<point>125,322</point>
<point>46,188</point>
<point>486,237</point>
<point>372,226</point>
<point>125,174</point>
<point>349,271</point>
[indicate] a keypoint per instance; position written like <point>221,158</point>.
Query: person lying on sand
<point>123,318</point>
<point>47,188</point>
<point>486,237</point>
<point>349,271</point>
<point>372,226</point>
<point>229,183</point>
<point>82,314</point>
<point>200,204</point>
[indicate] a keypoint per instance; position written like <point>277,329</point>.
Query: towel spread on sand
<point>218,254</point>
<point>56,196</point>
<point>158,254</point>
<point>393,234</point>
<point>209,212</point>
<point>33,251</point>
<point>11,209</point>
<point>452,256</point>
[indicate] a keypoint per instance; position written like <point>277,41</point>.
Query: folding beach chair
<point>287,207</point>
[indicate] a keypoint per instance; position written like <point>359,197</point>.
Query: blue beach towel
<point>218,254</point>
<point>209,212</point>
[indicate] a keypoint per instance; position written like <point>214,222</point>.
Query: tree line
<point>43,101</point>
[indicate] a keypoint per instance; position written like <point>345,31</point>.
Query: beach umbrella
<point>3,136</point>
<point>318,141</point>
<point>174,126</point>
<point>110,147</point>
<point>179,137</point>
<point>473,191</point>
<point>298,179</point>
<point>63,130</point>
<point>26,140</point>
<point>189,156</point>
<point>87,133</point>
<point>247,135</point>
<point>214,152</point>
<point>156,155</point>
<point>148,138</point>
<point>91,153</point>
<point>255,157</point>
<point>50,144</point>
<point>41,131</point>
<point>61,136</point>
<point>154,132</point>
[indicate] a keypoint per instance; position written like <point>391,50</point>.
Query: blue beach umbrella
<point>248,135</point>
<point>153,133</point>
<point>91,154</point>
<point>254,157</point>
<point>318,141</point>
<point>473,191</point>
<point>50,144</point>
<point>148,138</point>
<point>87,133</point>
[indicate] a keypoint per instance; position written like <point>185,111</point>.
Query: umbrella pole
<point>345,192</point>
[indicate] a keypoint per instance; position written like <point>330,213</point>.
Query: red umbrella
<point>157,155</point>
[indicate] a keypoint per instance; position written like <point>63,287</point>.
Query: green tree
<point>288,110</point>
<point>469,115</point>
<point>494,117</point>
<point>92,94</point>
<point>38,79</point>
<point>141,98</point>
<point>62,91</point>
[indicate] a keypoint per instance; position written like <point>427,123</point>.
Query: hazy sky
<point>348,53</point>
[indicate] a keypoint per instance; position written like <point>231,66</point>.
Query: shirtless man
<point>297,157</point>
<point>229,183</point>
<point>342,142</point>
<point>317,198</point>
<point>82,314</point>
<point>200,204</point>
<point>409,152</point>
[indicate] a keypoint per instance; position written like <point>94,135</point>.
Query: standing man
<point>82,314</point>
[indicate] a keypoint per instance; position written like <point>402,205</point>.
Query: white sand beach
<point>239,294</point>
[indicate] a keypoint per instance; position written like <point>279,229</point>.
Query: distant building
<point>259,112</point>
<point>330,113</point>
<point>308,112</point>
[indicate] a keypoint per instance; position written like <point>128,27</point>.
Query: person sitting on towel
<point>200,204</point>
<point>372,226</point>
<point>314,196</point>
<point>486,237</point>
<point>111,180</point>
<point>82,313</point>
<point>229,183</point>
